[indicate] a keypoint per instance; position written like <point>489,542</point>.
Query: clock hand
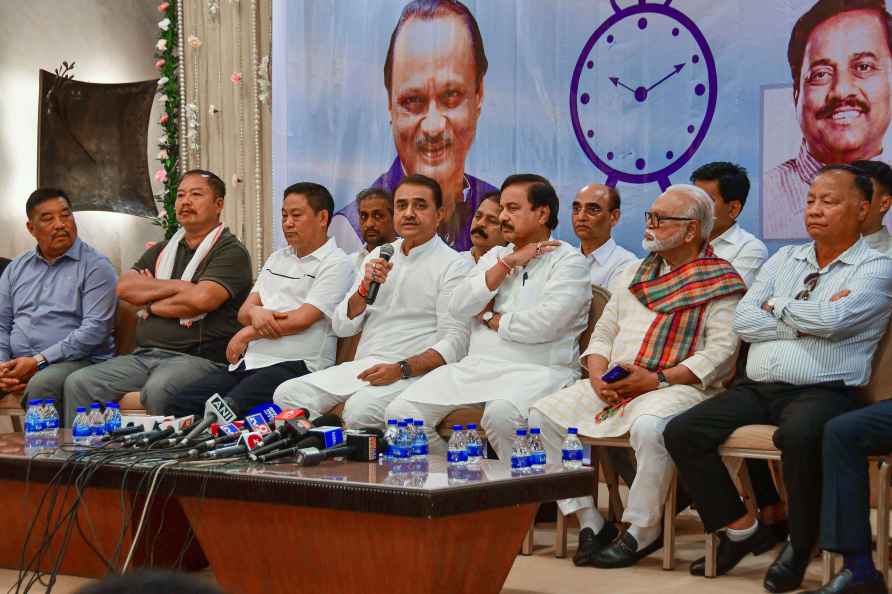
<point>617,83</point>
<point>675,71</point>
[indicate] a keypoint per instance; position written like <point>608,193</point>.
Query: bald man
<point>595,214</point>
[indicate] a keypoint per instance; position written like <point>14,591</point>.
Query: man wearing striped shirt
<point>814,317</point>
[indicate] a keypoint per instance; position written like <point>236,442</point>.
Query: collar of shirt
<point>602,253</point>
<point>417,251</point>
<point>879,238</point>
<point>807,166</point>
<point>732,234</point>
<point>319,253</point>
<point>74,252</point>
<point>854,254</point>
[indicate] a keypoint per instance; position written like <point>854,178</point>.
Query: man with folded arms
<point>407,331</point>
<point>527,303</point>
<point>813,319</point>
<point>596,211</point>
<point>287,317</point>
<point>486,228</point>
<point>57,303</point>
<point>375,222</point>
<point>668,324</point>
<point>189,290</point>
<point>874,229</point>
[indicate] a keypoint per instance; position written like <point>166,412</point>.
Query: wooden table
<point>352,527</point>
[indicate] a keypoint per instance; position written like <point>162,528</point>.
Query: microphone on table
<point>122,432</point>
<point>216,410</point>
<point>210,444</point>
<point>292,431</point>
<point>311,443</point>
<point>310,451</point>
<point>287,421</point>
<point>386,254</point>
<point>147,437</point>
<point>132,438</point>
<point>248,441</point>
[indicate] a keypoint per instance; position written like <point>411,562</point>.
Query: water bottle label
<point>32,427</point>
<point>519,462</point>
<point>572,455</point>
<point>81,431</point>
<point>475,450</point>
<point>419,449</point>
<point>52,423</point>
<point>538,458</point>
<point>457,456</point>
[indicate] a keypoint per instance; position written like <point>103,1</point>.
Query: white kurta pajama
<point>618,336</point>
<point>544,308</point>
<point>409,316</point>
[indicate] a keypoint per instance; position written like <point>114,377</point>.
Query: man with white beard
<point>667,329</point>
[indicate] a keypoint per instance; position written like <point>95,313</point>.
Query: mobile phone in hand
<point>614,375</point>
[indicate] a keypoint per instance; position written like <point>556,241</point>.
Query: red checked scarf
<point>679,298</point>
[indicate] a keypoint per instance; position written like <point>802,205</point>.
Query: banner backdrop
<point>628,92</point>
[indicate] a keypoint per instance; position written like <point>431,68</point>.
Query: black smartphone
<point>614,375</point>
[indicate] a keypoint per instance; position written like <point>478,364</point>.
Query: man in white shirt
<point>873,229</point>
<point>527,303</point>
<point>375,207</point>
<point>728,186</point>
<point>406,331</point>
<point>596,211</point>
<point>287,316</point>
<point>668,326</point>
<point>486,229</point>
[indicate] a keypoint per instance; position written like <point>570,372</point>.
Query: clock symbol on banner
<point>653,108</point>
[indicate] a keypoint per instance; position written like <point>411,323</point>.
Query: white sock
<point>645,535</point>
<point>740,535</point>
<point>590,518</point>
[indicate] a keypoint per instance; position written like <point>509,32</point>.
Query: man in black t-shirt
<point>189,290</point>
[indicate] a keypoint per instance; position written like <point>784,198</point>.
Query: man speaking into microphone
<point>405,325</point>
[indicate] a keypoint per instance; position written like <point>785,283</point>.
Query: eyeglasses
<point>654,220</point>
<point>810,281</point>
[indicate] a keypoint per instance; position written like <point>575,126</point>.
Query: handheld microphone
<point>150,439</point>
<point>270,411</point>
<point>210,444</point>
<point>386,252</point>
<point>247,442</point>
<point>123,431</point>
<point>292,430</point>
<point>308,443</point>
<point>216,410</point>
<point>287,421</point>
<point>132,438</point>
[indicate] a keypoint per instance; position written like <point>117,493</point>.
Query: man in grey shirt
<point>57,303</point>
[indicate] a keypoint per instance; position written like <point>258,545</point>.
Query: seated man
<point>190,289</point>
<point>486,229</point>
<point>845,500</point>
<point>813,317</point>
<point>57,303</point>
<point>407,331</point>
<point>287,317</point>
<point>527,303</point>
<point>728,186</point>
<point>596,211</point>
<point>874,229</point>
<point>668,323</point>
<point>375,222</point>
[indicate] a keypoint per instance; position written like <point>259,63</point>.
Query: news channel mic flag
<point>840,63</point>
<point>433,75</point>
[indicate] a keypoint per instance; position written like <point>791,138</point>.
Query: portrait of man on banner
<point>840,62</point>
<point>433,76</point>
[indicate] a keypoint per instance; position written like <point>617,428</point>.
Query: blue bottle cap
<point>457,427</point>
<point>419,422</point>
<point>94,405</point>
<point>391,421</point>
<point>80,409</point>
<point>34,402</point>
<point>112,405</point>
<point>50,401</point>
<point>472,425</point>
<point>535,431</point>
<point>409,420</point>
<point>521,432</point>
<point>401,424</point>
<point>572,430</point>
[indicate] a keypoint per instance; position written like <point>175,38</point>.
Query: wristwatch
<point>42,363</point>
<point>487,316</point>
<point>661,378</point>
<point>405,369</point>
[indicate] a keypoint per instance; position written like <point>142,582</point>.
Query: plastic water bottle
<point>537,450</point>
<point>520,453</point>
<point>410,428</point>
<point>34,418</point>
<point>81,431</point>
<point>572,450</point>
<point>474,444</point>
<point>97,422</point>
<point>50,418</point>
<point>458,453</point>
<point>403,447</point>
<point>419,443</point>
<point>112,416</point>
<point>390,436</point>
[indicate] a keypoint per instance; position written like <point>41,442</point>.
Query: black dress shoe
<point>590,544</point>
<point>730,553</point>
<point>787,571</point>
<point>844,583</point>
<point>624,552</point>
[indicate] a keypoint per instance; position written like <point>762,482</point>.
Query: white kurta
<point>409,316</point>
<point>544,309</point>
<point>617,337</point>
<point>743,250</point>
